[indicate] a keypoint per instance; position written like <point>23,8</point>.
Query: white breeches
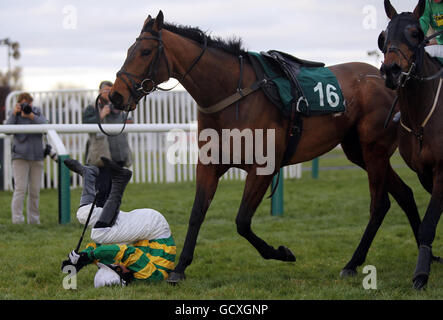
<point>129,227</point>
<point>435,51</point>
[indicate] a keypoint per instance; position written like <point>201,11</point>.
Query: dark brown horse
<point>209,69</point>
<point>417,78</point>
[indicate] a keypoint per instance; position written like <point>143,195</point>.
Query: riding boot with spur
<point>89,174</point>
<point>120,179</point>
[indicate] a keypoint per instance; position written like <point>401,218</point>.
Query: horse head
<point>401,44</point>
<point>146,66</point>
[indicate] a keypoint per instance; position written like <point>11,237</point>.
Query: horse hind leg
<point>405,198</point>
<point>373,160</point>
<point>255,189</point>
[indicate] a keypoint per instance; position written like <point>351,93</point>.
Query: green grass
<point>323,222</point>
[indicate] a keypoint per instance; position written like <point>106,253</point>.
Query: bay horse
<point>209,69</point>
<point>416,77</point>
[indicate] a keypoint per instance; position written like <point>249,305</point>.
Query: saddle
<point>276,88</point>
<point>285,58</point>
<point>298,88</point>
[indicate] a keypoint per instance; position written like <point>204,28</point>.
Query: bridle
<point>415,62</point>
<point>142,85</point>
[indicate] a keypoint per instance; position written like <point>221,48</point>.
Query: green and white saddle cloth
<point>294,84</point>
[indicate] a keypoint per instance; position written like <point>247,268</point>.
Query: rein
<point>419,134</point>
<point>97,114</point>
<point>410,74</point>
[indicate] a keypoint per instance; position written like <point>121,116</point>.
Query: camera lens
<point>26,108</point>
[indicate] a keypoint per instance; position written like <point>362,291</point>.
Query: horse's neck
<point>416,97</point>
<point>213,78</point>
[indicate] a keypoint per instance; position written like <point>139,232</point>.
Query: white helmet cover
<point>105,276</point>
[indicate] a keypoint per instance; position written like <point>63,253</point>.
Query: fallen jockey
<point>136,245</point>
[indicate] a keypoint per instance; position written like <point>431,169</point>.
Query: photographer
<point>115,148</point>
<point>27,160</point>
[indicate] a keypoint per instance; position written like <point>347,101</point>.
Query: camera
<point>26,108</point>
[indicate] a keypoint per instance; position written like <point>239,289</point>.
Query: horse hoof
<point>420,282</point>
<point>286,254</point>
<point>348,273</point>
<point>175,277</point>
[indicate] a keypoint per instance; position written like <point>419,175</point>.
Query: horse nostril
<point>392,69</point>
<point>116,98</point>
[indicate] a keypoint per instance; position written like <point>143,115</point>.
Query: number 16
<point>331,95</point>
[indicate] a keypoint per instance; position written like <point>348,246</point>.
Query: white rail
<point>153,118</point>
<point>93,128</point>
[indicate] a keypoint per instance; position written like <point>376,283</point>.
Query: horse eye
<point>146,52</point>
<point>415,34</point>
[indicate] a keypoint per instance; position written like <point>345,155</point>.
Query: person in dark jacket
<point>115,147</point>
<point>27,160</point>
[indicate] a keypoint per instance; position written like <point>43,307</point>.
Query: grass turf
<point>323,222</point>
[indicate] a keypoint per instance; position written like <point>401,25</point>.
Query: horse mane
<point>233,45</point>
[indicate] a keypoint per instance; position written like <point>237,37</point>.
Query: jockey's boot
<point>120,179</point>
<point>89,174</point>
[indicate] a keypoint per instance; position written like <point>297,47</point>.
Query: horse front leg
<point>255,189</point>
<point>427,232</point>
<point>405,198</point>
<point>207,178</point>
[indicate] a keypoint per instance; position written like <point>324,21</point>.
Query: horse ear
<point>146,23</point>
<point>382,40</point>
<point>390,10</point>
<point>149,18</point>
<point>158,25</point>
<point>420,9</point>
